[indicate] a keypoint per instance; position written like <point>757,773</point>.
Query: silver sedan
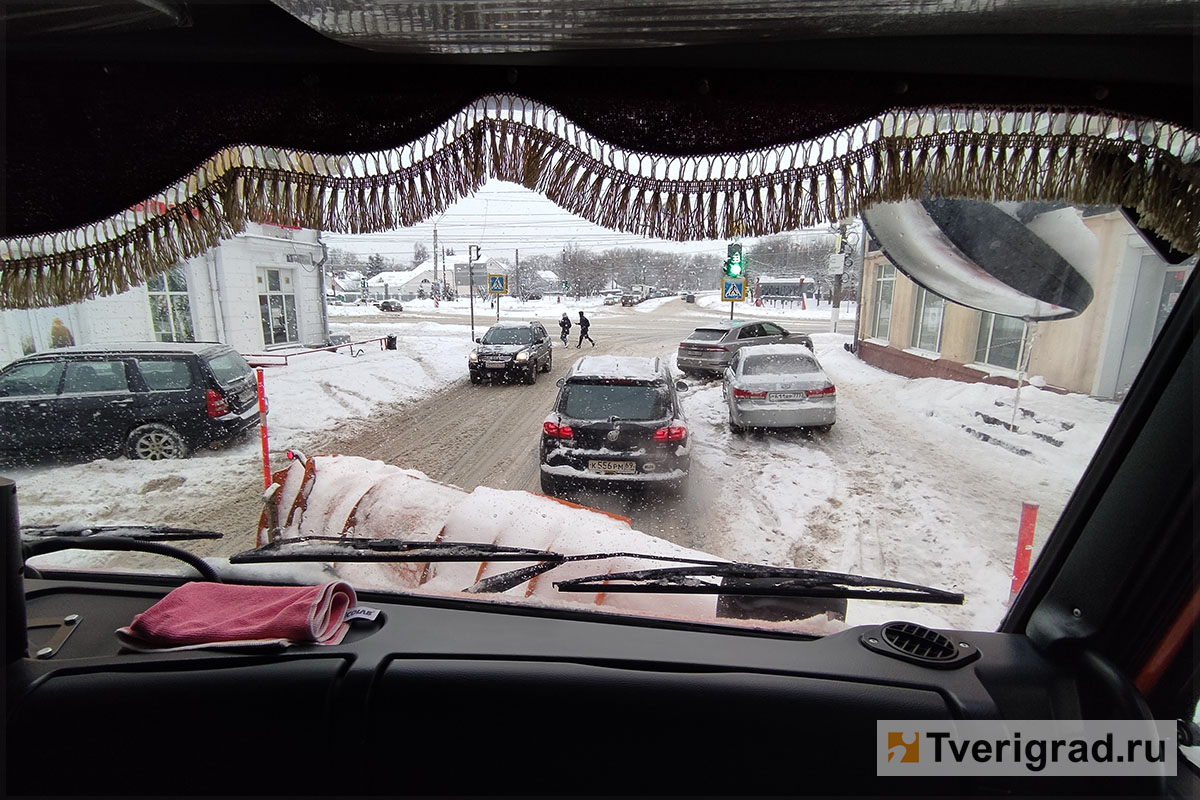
<point>778,386</point>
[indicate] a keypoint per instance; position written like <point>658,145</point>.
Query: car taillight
<point>673,433</point>
<point>555,431</point>
<point>749,395</point>
<point>824,390</point>
<point>706,348</point>
<point>217,406</point>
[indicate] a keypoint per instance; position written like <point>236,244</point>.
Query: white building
<point>403,285</point>
<point>344,286</point>
<point>259,290</point>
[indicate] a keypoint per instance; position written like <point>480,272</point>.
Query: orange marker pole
<point>1024,548</point>
<point>262,428</point>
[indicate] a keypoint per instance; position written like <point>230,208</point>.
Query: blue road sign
<point>733,290</point>
<point>497,284</point>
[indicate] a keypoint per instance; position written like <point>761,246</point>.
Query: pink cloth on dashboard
<point>202,614</point>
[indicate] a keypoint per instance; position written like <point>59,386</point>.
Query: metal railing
<point>282,359</point>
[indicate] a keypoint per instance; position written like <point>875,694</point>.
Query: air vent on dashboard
<point>918,641</point>
<point>919,645</point>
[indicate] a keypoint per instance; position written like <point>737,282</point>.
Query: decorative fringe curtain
<point>1083,158</point>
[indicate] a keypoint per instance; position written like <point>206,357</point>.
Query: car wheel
<point>824,428</point>
<point>735,428</point>
<point>531,375</point>
<point>476,378</point>
<point>549,361</point>
<point>155,442</point>
<point>549,484</point>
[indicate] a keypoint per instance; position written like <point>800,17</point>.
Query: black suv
<point>147,399</point>
<point>511,348</point>
<point>617,419</point>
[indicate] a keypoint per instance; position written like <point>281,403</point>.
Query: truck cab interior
<point>107,104</point>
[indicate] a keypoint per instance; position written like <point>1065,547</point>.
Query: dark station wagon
<point>149,400</point>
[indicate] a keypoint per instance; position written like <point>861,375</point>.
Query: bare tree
<point>420,254</point>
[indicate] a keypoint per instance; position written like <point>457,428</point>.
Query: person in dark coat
<point>583,331</point>
<point>564,325</point>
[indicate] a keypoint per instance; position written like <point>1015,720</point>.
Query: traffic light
<point>733,264</point>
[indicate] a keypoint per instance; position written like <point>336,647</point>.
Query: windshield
<point>508,336</point>
<point>940,450</point>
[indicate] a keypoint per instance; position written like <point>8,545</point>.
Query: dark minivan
<point>617,420</point>
<point>149,400</point>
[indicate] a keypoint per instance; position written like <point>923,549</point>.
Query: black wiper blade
<point>357,548</point>
<point>145,533</point>
<point>757,579</point>
<point>507,580</point>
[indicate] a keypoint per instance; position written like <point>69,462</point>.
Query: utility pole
<point>435,256</point>
<point>841,256</point>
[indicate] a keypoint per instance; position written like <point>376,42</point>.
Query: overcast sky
<point>502,218</point>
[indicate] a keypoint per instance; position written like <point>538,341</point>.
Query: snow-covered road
<point>900,488</point>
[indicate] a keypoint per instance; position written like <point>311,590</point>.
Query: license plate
<point>497,364</point>
<point>613,467</point>
<point>785,396</point>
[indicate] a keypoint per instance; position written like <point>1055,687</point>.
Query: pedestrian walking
<point>583,331</point>
<point>564,325</point>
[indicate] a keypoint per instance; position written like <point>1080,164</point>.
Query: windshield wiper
<point>146,533</point>
<point>759,579</point>
<point>507,580</point>
<point>357,548</point>
<point>734,578</point>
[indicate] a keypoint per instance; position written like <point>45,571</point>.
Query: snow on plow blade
<point>349,496</point>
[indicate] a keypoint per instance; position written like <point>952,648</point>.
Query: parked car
<point>151,400</point>
<point>616,419</point>
<point>389,305</point>
<point>778,386</point>
<point>511,348</point>
<point>710,348</point>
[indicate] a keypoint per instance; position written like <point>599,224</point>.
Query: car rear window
<point>165,375</point>
<point>707,334</point>
<point>631,401</point>
<point>227,368</point>
<point>780,364</point>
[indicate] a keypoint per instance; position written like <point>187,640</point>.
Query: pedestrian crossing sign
<point>497,284</point>
<point>733,290</point>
